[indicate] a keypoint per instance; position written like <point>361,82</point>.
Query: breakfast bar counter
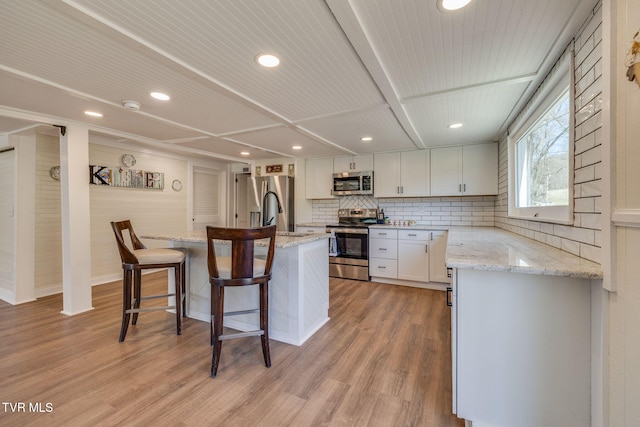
<point>298,290</point>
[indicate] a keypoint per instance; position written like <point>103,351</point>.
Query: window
<point>541,157</point>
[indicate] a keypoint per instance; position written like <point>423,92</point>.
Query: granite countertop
<point>284,239</point>
<point>312,224</point>
<point>411,227</point>
<point>493,249</point>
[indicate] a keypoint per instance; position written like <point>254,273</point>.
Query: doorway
<point>209,198</point>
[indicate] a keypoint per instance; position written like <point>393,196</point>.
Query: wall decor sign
<point>274,168</point>
<point>129,178</point>
<point>632,61</point>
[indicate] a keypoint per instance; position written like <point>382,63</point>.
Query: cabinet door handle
<point>382,234</point>
<point>381,266</point>
<point>412,234</point>
<point>398,190</point>
<point>431,235</point>
<point>426,248</point>
<point>382,249</point>
<point>401,189</point>
<point>464,188</point>
<point>449,297</point>
<point>459,188</point>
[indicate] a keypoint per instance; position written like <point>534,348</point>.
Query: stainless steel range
<point>349,244</point>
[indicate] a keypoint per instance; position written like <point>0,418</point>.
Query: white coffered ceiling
<point>399,71</point>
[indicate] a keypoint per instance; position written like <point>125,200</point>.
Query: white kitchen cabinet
<point>402,174</point>
<point>404,256</point>
<point>353,163</point>
<point>521,349</point>
<point>383,253</point>
<point>413,255</point>
<point>318,178</point>
<point>437,255</point>
<point>469,170</point>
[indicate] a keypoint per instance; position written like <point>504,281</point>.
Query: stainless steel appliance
<point>349,243</point>
<point>270,201</point>
<point>352,183</point>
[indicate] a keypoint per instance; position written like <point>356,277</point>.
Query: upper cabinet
<point>401,174</point>
<point>470,170</point>
<point>318,178</point>
<point>353,163</point>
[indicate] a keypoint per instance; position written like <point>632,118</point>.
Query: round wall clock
<point>128,160</point>
<point>176,185</point>
<point>54,173</point>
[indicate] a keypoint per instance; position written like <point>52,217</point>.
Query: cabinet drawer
<point>378,233</point>
<point>419,235</point>
<point>383,248</point>
<point>380,267</point>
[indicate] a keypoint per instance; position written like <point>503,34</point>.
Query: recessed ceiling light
<point>297,147</point>
<point>244,153</point>
<point>268,60</point>
<point>449,5</point>
<point>366,139</point>
<point>455,125</point>
<point>93,113</point>
<point>161,96</point>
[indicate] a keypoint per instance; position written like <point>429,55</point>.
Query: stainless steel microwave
<point>352,183</point>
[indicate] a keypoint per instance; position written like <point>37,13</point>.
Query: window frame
<point>555,86</point>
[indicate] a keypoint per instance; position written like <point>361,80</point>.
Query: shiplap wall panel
<point>7,239</point>
<point>149,210</point>
<point>48,232</point>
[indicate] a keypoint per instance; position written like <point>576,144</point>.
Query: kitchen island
<point>525,331</point>
<point>298,290</point>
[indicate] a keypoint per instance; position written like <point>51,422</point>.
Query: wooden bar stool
<point>242,268</point>
<point>137,258</point>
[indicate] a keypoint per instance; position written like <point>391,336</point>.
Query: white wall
<point>149,210</point>
<point>48,238</point>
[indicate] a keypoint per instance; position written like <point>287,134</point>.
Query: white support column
<point>76,226</point>
<point>24,213</point>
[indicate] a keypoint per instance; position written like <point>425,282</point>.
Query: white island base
<point>298,290</point>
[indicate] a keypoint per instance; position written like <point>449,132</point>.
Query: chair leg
<point>126,303</point>
<point>178,280</point>
<point>137,293</point>
<point>217,319</point>
<point>264,322</point>
<point>183,269</point>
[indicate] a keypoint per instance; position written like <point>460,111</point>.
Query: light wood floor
<point>382,360</point>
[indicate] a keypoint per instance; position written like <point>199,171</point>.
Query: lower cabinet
<point>410,256</point>
<point>413,255</point>
<point>437,255</point>
<point>521,349</point>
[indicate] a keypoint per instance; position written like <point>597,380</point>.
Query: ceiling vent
<point>131,105</point>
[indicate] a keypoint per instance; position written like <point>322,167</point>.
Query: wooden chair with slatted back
<point>242,268</point>
<point>135,258</point>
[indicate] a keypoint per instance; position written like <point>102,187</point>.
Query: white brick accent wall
<point>439,211</point>
<point>584,237</point>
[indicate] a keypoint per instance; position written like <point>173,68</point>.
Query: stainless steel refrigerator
<point>267,191</point>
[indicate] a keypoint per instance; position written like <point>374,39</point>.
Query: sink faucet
<point>264,208</point>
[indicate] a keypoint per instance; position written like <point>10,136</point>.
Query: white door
<point>209,198</point>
